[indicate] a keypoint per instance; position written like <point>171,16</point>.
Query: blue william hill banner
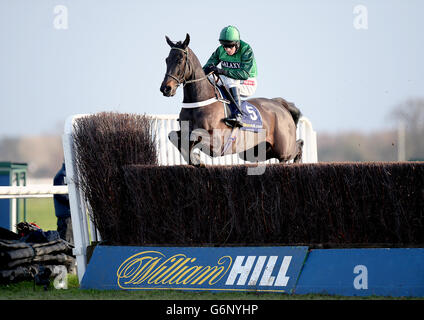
<point>262,269</point>
<point>364,272</point>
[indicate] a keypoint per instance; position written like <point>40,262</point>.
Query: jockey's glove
<point>215,69</point>
<point>221,71</point>
<point>208,69</point>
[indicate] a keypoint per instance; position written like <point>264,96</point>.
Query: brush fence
<point>85,232</point>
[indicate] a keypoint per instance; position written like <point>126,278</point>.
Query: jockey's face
<point>230,50</point>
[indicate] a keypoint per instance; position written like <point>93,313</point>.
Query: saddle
<point>251,117</point>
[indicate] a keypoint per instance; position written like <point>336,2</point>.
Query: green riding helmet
<point>230,36</point>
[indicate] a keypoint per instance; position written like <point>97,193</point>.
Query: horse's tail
<point>290,106</point>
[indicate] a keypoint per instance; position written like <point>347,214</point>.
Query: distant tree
<point>357,146</point>
<point>9,150</point>
<point>42,153</point>
<point>411,113</point>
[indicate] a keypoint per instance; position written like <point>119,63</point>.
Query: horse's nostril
<point>165,89</point>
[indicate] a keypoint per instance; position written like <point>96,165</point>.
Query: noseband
<point>183,81</point>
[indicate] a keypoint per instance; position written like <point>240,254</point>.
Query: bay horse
<point>202,114</point>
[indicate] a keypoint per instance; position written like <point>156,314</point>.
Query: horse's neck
<point>197,91</point>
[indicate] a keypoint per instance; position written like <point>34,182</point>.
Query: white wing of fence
<point>80,221</point>
<point>84,230</point>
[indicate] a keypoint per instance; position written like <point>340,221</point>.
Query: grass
<point>27,291</point>
<point>23,296</point>
<point>41,212</point>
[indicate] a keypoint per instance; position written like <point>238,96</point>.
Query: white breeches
<point>247,87</point>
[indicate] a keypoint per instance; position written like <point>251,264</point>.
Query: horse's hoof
<point>199,165</point>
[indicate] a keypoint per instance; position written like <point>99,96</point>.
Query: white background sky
<point>112,57</point>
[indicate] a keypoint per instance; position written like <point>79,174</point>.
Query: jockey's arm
<point>213,60</point>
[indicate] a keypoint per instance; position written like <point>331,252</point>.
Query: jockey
<point>238,68</point>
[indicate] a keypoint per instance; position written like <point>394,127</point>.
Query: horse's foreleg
<point>182,143</point>
<point>189,144</point>
<point>201,139</point>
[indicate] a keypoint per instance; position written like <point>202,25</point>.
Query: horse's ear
<point>171,44</point>
<point>186,41</point>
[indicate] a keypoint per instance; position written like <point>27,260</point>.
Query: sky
<point>345,64</point>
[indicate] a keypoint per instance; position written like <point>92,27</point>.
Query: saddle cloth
<point>251,117</point>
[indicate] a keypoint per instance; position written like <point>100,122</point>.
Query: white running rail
<point>34,191</point>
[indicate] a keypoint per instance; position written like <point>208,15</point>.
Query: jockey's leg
<point>239,88</point>
<point>235,119</point>
<point>248,87</point>
<point>235,92</point>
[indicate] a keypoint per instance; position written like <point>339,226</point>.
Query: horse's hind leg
<point>257,153</point>
<point>285,158</point>
<point>299,151</point>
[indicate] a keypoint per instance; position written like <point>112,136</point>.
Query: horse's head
<point>177,66</point>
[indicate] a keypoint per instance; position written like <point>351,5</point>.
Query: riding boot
<point>235,119</point>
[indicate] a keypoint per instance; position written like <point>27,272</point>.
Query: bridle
<point>182,80</point>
